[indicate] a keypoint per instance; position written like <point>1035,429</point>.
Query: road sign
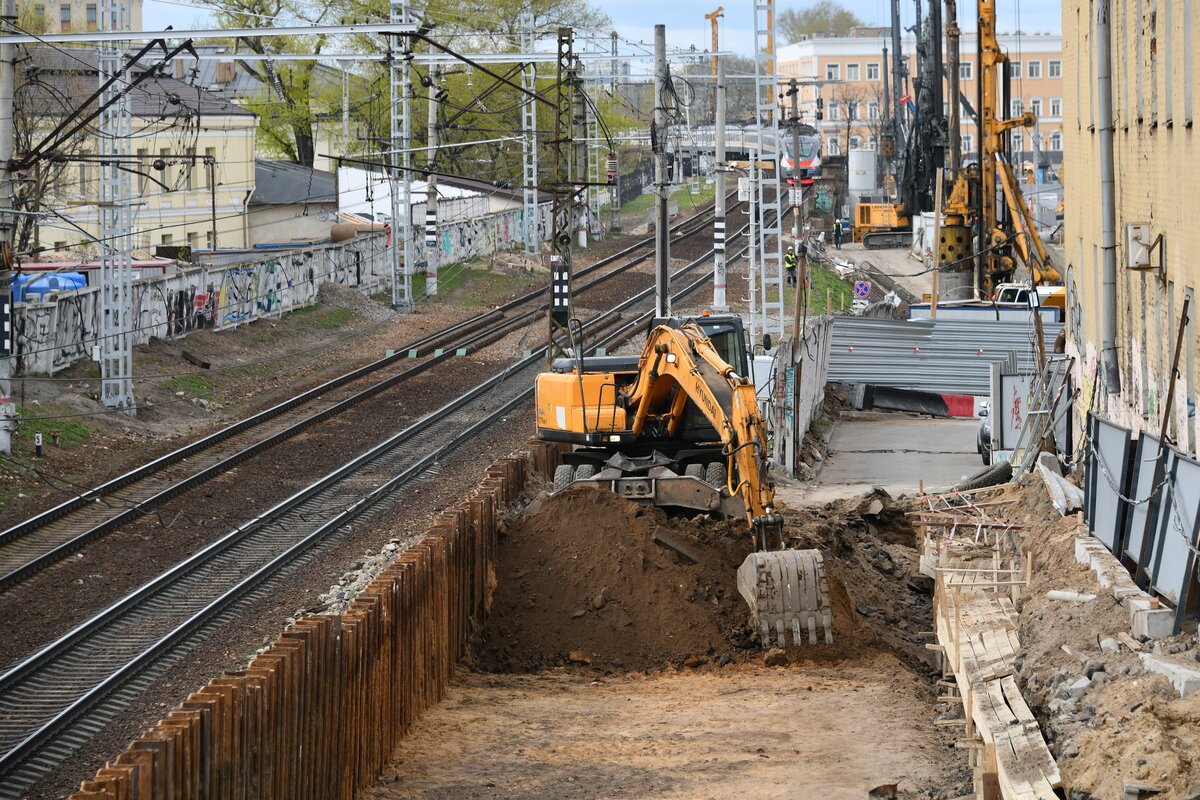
<point>862,289</point>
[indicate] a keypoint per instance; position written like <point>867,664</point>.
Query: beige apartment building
<point>846,72</point>
<point>177,199</point>
<point>65,16</point>
<point>1156,157</point>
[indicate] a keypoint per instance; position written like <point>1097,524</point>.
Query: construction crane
<point>713,17</point>
<point>1003,238</point>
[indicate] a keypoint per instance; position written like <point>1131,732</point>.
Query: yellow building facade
<point>1156,159</point>
<point>846,72</point>
<point>192,161</point>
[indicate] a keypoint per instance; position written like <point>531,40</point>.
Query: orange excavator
<point>679,427</point>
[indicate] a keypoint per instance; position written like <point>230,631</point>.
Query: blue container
<point>34,287</point>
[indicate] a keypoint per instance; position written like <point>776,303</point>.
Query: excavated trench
<point>612,665</point>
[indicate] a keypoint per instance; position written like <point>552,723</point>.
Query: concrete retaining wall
<point>51,336</point>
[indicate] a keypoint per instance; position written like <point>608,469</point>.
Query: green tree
<point>825,17</point>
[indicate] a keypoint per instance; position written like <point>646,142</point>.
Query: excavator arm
<point>681,364</point>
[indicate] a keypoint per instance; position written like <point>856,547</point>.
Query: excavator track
<point>886,240</point>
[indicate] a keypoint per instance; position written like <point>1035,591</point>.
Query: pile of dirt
<point>1107,719</point>
<point>880,599</point>
<point>582,581</point>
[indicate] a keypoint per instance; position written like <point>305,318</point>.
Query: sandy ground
<point>828,732</point>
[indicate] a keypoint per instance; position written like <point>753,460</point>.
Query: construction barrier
<point>318,714</point>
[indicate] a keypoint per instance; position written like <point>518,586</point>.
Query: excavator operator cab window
<point>727,339</point>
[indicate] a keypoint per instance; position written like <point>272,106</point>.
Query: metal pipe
<point>1108,208</point>
<point>719,302</point>
<point>953,126</point>
<point>662,234</point>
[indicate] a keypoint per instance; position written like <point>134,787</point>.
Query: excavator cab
<point>678,426</point>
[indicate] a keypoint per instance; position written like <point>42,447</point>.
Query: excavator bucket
<point>787,591</point>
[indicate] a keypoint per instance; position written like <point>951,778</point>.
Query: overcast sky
<point>634,20</point>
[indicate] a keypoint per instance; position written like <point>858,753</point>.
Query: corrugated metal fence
<point>318,715</point>
<point>944,356</point>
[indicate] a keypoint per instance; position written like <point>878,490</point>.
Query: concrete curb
<point>1146,616</point>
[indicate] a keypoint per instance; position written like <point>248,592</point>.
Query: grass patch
<point>71,432</point>
<point>190,385</point>
<point>315,307</point>
<point>333,318</point>
<point>470,286</point>
<point>826,287</point>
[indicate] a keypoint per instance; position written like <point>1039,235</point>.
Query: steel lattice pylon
<point>770,240</point>
<point>116,269</point>
<point>529,159</point>
<point>400,180</point>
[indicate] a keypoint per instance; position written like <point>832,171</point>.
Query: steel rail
<point>58,550</point>
<point>34,681</point>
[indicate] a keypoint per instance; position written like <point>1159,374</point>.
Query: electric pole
<point>614,223</point>
<point>7,227</point>
<point>719,303</point>
<point>797,196</point>
<point>563,183</point>
<point>579,126</point>
<point>658,142</point>
<point>431,193</point>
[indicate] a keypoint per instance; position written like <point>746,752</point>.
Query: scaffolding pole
<point>116,268</point>
<point>400,176</point>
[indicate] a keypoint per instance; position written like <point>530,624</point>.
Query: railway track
<point>49,537</point>
<point>56,700</point>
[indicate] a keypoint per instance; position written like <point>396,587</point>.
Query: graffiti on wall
<point>52,335</point>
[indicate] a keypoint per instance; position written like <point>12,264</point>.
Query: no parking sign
<point>862,289</point>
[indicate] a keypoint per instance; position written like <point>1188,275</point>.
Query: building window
<point>1035,69</point>
<point>1055,69</point>
<point>1017,108</point>
<point>873,109</point>
<point>964,70</point>
<point>835,146</point>
<point>852,72</point>
<point>167,238</point>
<point>1035,105</point>
<point>1056,106</point>
<point>193,240</point>
<point>852,109</point>
<point>966,145</point>
<point>1018,143</point>
<point>873,143</point>
<point>834,112</point>
<point>1056,141</point>
<point>855,142</point>
<point>872,72</point>
<point>833,72</point>
<point>208,239</point>
<point>1014,69</point>
<point>64,18</point>
<point>189,167</point>
<point>91,16</point>
<point>39,11</point>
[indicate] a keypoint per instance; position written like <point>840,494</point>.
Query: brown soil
<point>580,580</point>
<point>1130,724</point>
<point>583,575</point>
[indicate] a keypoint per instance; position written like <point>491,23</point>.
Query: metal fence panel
<point>1175,530</point>
<point>1108,471</point>
<point>941,356</point>
<point>1145,455</point>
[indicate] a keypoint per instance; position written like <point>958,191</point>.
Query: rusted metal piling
<point>318,714</point>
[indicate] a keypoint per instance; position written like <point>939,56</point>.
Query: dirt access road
<point>616,671</point>
<point>810,730</point>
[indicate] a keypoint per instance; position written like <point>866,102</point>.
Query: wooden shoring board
<point>981,653</point>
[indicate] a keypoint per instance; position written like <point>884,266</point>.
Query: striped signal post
<point>431,194</point>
